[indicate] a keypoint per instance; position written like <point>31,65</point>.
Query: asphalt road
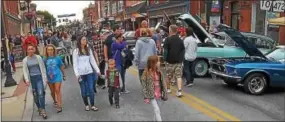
<point>207,100</point>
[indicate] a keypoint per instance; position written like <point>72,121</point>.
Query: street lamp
<point>9,78</point>
<point>29,15</point>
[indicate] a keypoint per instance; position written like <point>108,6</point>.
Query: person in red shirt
<point>144,25</point>
<point>31,39</point>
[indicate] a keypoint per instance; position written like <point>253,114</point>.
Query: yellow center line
<point>199,104</point>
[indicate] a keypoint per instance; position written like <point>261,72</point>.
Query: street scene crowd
<point>103,62</point>
<point>167,58</point>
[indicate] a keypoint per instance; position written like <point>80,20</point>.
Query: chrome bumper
<point>224,75</point>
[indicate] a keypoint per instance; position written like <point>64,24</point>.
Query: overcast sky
<point>64,7</point>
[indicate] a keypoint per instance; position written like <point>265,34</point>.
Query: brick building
<point>156,9</point>
<point>243,15</point>
<point>12,21</point>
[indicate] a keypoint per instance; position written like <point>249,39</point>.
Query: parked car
<point>130,38</point>
<point>256,71</point>
<point>263,43</point>
<point>209,47</point>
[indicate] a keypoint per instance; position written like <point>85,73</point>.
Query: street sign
<point>275,6</point>
<point>133,19</point>
<point>66,15</point>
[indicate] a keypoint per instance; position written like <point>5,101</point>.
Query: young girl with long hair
<point>84,65</point>
<point>55,74</point>
<point>35,74</point>
<point>153,85</point>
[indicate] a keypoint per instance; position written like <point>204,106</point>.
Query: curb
<point>29,106</point>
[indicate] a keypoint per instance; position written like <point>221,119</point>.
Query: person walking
<point>145,47</point>
<point>67,44</point>
<point>190,43</point>
<point>153,85</point>
<point>55,75</point>
<point>35,74</point>
<point>113,83</point>
<point>118,48</point>
<point>99,49</point>
<point>174,55</point>
<point>84,65</point>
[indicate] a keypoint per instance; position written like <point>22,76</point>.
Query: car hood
<point>199,31</point>
<point>241,41</point>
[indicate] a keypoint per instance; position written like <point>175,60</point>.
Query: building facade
<point>12,20</point>
<point>173,9</point>
<point>245,16</point>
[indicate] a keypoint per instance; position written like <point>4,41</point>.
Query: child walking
<point>153,85</point>
<point>113,83</point>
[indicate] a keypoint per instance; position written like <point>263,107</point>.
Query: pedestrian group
<point>103,61</point>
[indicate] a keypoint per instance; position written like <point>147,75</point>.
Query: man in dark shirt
<point>174,56</point>
<point>108,43</point>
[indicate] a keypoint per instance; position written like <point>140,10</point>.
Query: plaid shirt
<point>99,48</point>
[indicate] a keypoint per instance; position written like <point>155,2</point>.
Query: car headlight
<point>235,71</point>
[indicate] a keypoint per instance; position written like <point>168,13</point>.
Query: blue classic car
<point>255,71</point>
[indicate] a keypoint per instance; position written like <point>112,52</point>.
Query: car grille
<point>218,67</point>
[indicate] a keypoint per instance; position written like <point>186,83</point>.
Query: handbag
<point>163,92</point>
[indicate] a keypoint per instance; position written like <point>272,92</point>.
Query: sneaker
<point>179,93</point>
<point>125,91</point>
<point>168,90</point>
<point>189,84</point>
<point>117,106</point>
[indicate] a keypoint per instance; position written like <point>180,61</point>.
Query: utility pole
<point>221,2</point>
<point>9,78</point>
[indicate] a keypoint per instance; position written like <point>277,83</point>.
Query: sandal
<point>55,104</point>
<point>87,108</point>
<point>43,114</point>
<point>94,108</point>
<point>59,109</point>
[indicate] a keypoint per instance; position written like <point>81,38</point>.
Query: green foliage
<point>47,16</point>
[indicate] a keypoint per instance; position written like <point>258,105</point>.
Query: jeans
<point>156,110</point>
<point>188,71</point>
<point>87,88</point>
<point>122,71</point>
<point>140,74</point>
<point>38,91</point>
<point>112,91</point>
<point>102,71</point>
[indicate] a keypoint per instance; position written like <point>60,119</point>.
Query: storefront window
<point>156,1</point>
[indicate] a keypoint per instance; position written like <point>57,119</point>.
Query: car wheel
<point>200,68</point>
<point>255,84</point>
<point>229,83</point>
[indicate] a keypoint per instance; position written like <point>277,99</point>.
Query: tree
<point>47,16</point>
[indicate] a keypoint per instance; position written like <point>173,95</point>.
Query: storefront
<point>138,12</point>
<point>13,24</point>
<point>172,9</point>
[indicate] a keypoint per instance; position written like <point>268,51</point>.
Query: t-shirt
<point>174,49</point>
<point>109,41</point>
<point>53,65</point>
<point>33,66</point>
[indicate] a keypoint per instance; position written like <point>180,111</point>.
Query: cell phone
<point>79,79</point>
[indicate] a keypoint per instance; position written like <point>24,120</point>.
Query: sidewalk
<point>13,98</point>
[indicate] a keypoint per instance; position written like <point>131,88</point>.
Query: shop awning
<point>140,8</point>
<point>277,21</point>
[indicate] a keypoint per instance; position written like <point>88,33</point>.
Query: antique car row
<point>243,63</point>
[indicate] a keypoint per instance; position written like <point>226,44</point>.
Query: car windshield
<point>277,54</point>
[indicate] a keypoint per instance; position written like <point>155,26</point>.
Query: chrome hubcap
<point>256,84</point>
<point>201,68</point>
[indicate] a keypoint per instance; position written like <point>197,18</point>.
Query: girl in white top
<point>84,63</point>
